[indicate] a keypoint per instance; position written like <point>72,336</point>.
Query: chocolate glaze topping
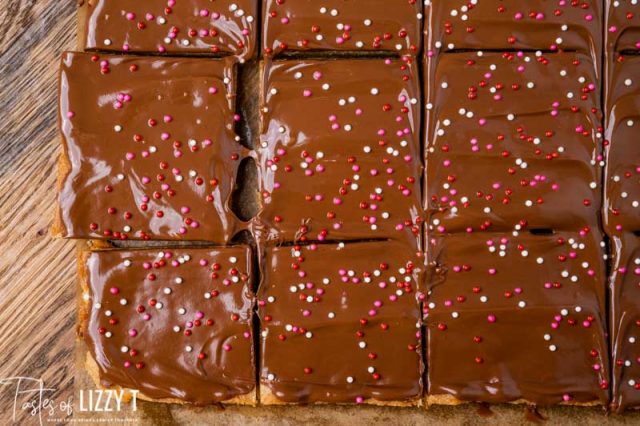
<point>173,26</point>
<point>625,320</point>
<point>552,25</point>
<point>149,148</point>
<point>513,141</point>
<point>622,180</point>
<point>623,26</point>
<point>517,317</point>
<point>342,25</point>
<point>172,323</point>
<point>339,155</point>
<point>513,297</point>
<point>340,323</point>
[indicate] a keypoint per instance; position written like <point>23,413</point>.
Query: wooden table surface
<point>37,273</point>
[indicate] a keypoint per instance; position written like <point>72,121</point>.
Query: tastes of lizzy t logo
<point>33,397</point>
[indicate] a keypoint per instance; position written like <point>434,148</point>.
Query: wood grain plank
<point>37,274</point>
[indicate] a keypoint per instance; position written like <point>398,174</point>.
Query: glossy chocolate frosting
<point>173,26</point>
<point>625,320</point>
<point>513,141</point>
<point>517,317</point>
<point>622,179</point>
<point>173,323</point>
<point>340,323</point>
<point>149,150</point>
<point>339,154</point>
<point>551,25</point>
<point>342,25</point>
<point>623,26</point>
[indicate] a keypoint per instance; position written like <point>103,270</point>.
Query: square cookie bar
<point>342,25</point>
<point>149,148</point>
<point>172,26</point>
<point>622,173</point>
<point>516,319</point>
<point>622,26</point>
<point>550,25</point>
<point>625,320</point>
<point>513,141</point>
<point>339,156</point>
<point>173,324</point>
<point>340,324</point>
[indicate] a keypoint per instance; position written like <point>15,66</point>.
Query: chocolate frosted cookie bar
<point>550,25</point>
<point>340,154</point>
<point>513,141</point>
<point>622,175</point>
<point>625,320</point>
<point>340,324</point>
<point>391,26</point>
<point>516,318</point>
<point>149,148</point>
<point>173,324</point>
<point>172,26</point>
